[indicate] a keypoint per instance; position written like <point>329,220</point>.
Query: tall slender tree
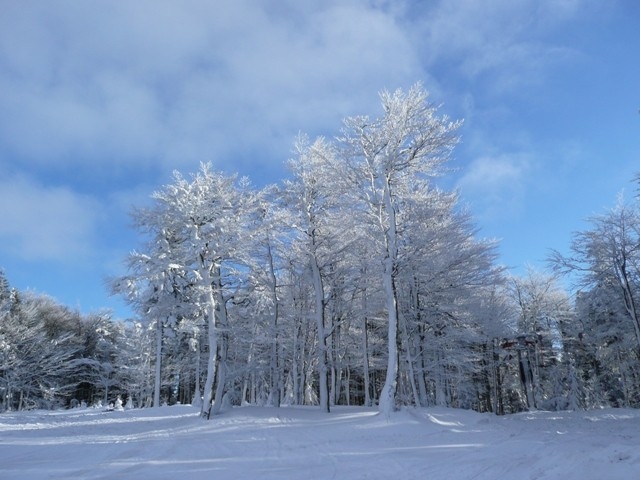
<point>609,254</point>
<point>384,157</point>
<point>313,205</point>
<point>205,217</point>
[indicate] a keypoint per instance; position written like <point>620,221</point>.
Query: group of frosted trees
<point>357,281</point>
<point>343,284</point>
<point>52,356</point>
<point>354,281</point>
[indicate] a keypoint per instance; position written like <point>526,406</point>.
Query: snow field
<point>301,442</point>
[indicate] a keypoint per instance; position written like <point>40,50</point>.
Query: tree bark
<point>213,345</point>
<point>365,360</point>
<point>223,343</point>
<point>158,371</point>
<point>322,337</point>
<point>387,402</point>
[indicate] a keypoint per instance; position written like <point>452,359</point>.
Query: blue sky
<point>100,101</point>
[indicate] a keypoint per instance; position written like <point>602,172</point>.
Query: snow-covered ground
<point>302,443</point>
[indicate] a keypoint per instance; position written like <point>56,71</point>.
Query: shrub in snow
<point>226,403</point>
<point>129,404</point>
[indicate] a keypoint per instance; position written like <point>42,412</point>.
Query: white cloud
<point>157,85</point>
<point>174,83</point>
<point>505,43</point>
<point>44,223</point>
<point>496,186</point>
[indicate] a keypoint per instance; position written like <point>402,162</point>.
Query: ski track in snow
<point>301,442</point>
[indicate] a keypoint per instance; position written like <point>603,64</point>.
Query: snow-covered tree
<point>445,275</point>
<point>39,348</point>
<point>157,284</point>
<point>262,306</point>
<point>542,312</point>
<point>319,235</point>
<point>609,254</point>
<point>198,239</point>
<point>604,261</point>
<point>385,156</point>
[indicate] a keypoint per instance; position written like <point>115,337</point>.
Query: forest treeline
<point>356,281</point>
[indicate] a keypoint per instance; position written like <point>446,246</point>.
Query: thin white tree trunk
<point>276,379</point>
<point>365,346</point>
<point>421,344</point>
<point>365,362</point>
<point>409,358</point>
<point>331,360</point>
<point>249,375</point>
<point>295,372</point>
<point>422,385</point>
<point>322,337</point>
<point>213,346</point>
<point>440,387</point>
<point>158,373</point>
<point>223,344</point>
<point>387,403</point>
<point>197,394</point>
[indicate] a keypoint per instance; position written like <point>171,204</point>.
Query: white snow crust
<point>303,443</point>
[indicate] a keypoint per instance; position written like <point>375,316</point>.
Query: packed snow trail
<point>293,443</point>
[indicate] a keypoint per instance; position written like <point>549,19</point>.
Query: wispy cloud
<point>163,85</point>
<point>174,83</point>
<point>496,186</point>
<point>503,43</point>
<point>45,223</point>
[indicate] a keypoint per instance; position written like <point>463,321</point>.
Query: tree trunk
<point>365,344</point>
<point>322,337</point>
<point>365,362</point>
<point>422,367</point>
<point>387,401</point>
<point>496,380</point>
<point>409,359</point>
<point>158,373</point>
<point>525,377</point>
<point>213,345</point>
<point>439,380</point>
<point>274,364</point>
<point>296,367</point>
<point>629,299</point>
<point>223,345</point>
<point>248,382</point>
<point>197,393</point>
